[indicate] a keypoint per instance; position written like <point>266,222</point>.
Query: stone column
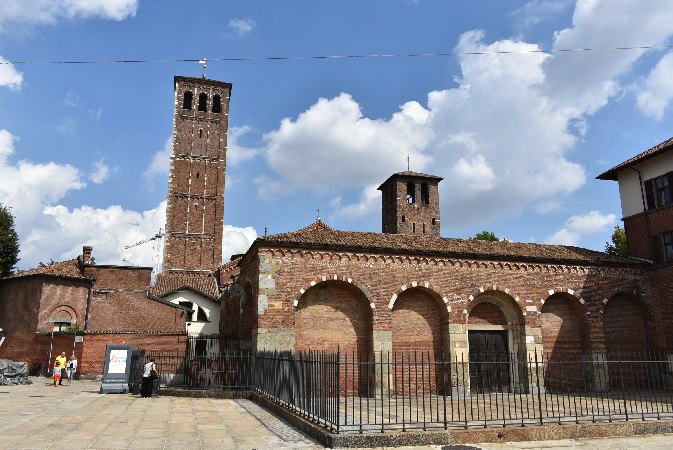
<point>534,358</point>
<point>600,375</point>
<point>459,357</point>
<point>383,347</point>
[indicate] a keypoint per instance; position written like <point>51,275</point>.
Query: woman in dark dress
<point>148,379</point>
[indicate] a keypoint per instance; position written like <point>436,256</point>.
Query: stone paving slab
<point>39,416</point>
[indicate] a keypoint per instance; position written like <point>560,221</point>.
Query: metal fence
<point>415,390</point>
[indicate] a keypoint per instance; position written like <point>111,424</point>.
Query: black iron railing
<point>416,390</point>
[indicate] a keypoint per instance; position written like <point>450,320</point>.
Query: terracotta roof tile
<point>649,153</point>
<point>408,173</point>
<point>321,236</point>
<point>63,269</point>
<point>168,283</point>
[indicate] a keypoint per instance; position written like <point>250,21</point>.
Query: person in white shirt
<point>71,368</point>
<point>148,378</point>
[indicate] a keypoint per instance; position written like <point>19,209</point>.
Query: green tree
<point>618,246</point>
<point>484,236</point>
<point>9,242</point>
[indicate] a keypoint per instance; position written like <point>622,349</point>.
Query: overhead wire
<point>318,57</point>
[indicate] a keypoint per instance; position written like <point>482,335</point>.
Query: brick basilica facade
<point>403,290</point>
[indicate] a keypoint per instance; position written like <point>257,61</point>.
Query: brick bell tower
<point>410,204</point>
<point>195,209</point>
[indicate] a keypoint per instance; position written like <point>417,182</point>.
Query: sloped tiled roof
<point>168,283</point>
<point>408,173</point>
<point>63,269</point>
<point>649,153</point>
<point>319,235</point>
<point>228,266</point>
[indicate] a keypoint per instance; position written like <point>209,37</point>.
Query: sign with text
<point>117,369</point>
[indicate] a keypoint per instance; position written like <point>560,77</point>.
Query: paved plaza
<point>39,416</point>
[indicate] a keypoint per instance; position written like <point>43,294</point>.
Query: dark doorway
<point>489,361</point>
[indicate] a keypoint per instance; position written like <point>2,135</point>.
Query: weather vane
<point>318,218</point>
<point>203,62</point>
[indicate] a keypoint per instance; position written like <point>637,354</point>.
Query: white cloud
<point>160,164</point>
<point>51,11</point>
<point>241,26</point>
<point>576,227</point>
<point>236,152</point>
<point>9,76</point>
<point>27,187</point>
<point>236,240</point>
<point>536,11</point>
<point>369,200</point>
<point>547,206</point>
<point>66,126</point>
<point>100,172</point>
<point>332,146</point>
<point>657,90</point>
<point>500,138</point>
<point>62,232</point>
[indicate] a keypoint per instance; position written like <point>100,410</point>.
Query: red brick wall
<point>624,325</point>
<point>486,313</point>
<point>133,311</point>
<point>381,276</point>
<point>563,328</point>
<point>61,297</point>
<point>661,285</point>
<point>113,277</point>
<point>344,319</point>
<point>19,305</point>
<point>417,323</point>
<point>93,355</point>
<point>642,228</point>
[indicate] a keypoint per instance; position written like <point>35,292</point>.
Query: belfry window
<point>425,194</point>
<point>187,100</point>
<point>411,192</point>
<point>217,104</point>
<point>203,100</point>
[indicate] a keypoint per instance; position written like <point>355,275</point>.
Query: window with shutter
<point>662,190</point>
<point>667,241</point>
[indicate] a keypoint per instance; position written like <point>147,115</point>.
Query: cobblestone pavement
<point>39,416</point>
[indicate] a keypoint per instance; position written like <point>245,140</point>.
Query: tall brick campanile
<point>195,210</point>
<point>410,204</point>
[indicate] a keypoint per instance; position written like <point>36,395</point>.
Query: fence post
<point>600,375</point>
<point>539,396</point>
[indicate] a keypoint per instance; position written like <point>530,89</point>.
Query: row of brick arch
<point>332,314</point>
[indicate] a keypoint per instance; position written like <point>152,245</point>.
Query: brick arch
<point>502,297</point>
<point>565,328</point>
<point>425,285</point>
<point>64,312</point>
<point>317,279</point>
<point>628,323</point>
<point>570,293</point>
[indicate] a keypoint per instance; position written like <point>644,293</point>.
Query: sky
<point>518,127</point>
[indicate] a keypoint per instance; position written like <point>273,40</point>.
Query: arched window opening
<point>200,133</point>
<point>434,221</point>
<point>425,194</point>
<point>404,219</point>
<point>411,192</point>
<point>423,228</point>
<point>413,228</point>
<point>217,104</point>
<point>203,99</point>
<point>201,315</point>
<point>197,174</point>
<point>187,101</point>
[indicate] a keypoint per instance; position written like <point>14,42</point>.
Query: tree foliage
<point>9,242</point>
<point>485,236</point>
<point>618,246</point>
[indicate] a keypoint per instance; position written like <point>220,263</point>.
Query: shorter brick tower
<point>410,204</point>
<point>195,210</point>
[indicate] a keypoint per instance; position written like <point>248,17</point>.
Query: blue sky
<point>518,137</point>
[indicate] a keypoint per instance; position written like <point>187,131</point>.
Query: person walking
<point>149,375</point>
<point>71,368</point>
<point>61,360</point>
<point>57,374</point>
